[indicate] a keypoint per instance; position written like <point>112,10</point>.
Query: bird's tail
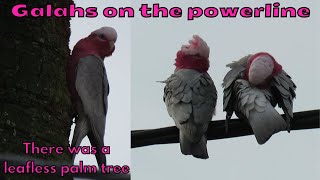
<point>197,149</point>
<point>81,129</point>
<point>264,125</point>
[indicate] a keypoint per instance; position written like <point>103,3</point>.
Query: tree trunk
<point>34,101</point>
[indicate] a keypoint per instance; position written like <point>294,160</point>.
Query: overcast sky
<point>295,45</point>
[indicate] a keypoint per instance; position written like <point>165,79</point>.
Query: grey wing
<point>177,96</point>
<point>261,115</point>
<point>106,90</point>
<point>204,98</point>
<point>204,101</point>
<point>284,93</point>
<point>249,98</point>
<point>236,72</point>
<point>190,98</point>
<point>91,85</point>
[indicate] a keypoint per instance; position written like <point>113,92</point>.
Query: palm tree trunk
<point>34,101</point>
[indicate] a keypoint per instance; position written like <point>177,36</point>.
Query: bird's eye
<point>103,37</point>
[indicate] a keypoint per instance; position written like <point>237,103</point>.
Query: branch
<point>216,130</point>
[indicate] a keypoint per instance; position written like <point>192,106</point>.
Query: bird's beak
<point>111,44</point>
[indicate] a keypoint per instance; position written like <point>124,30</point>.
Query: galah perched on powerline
<point>89,87</point>
<point>190,96</point>
<point>252,88</point>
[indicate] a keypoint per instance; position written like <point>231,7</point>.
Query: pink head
<point>100,42</point>
<point>261,67</point>
<point>195,55</point>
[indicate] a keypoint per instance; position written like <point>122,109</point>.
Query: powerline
<point>216,130</point>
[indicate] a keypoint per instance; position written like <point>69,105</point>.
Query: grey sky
<point>118,126</point>
<point>293,42</point>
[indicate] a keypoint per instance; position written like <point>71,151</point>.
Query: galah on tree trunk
<point>252,88</point>
<point>89,88</point>
<point>190,97</point>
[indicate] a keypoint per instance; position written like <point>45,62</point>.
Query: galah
<point>190,97</point>
<point>252,88</point>
<point>89,87</point>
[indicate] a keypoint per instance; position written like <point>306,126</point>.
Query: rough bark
<point>34,101</point>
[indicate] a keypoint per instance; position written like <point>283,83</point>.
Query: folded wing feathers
<point>237,69</point>
<point>286,87</point>
<point>189,94</point>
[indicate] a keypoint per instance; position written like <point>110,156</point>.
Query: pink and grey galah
<point>252,88</point>
<point>191,96</point>
<point>89,88</point>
